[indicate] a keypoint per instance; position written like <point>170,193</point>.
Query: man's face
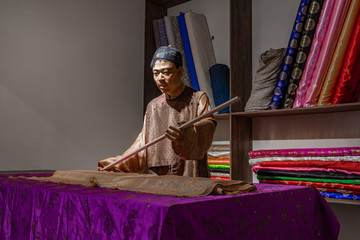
<point>167,77</point>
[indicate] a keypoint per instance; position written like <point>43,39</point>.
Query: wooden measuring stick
<point>185,125</point>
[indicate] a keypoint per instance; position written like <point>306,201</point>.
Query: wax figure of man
<point>183,152</point>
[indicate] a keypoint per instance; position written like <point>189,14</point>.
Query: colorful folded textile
<point>219,170</point>
<point>339,186</point>
<point>219,174</point>
<point>222,166</point>
<point>301,152</point>
<point>220,147</point>
<point>219,161</point>
<point>345,165</point>
<point>218,154</point>
<point>335,190</point>
<point>332,158</point>
<point>345,181</point>
<point>303,169</point>
<point>220,178</point>
<point>307,174</point>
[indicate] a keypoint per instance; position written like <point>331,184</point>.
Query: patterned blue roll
<point>220,80</point>
<point>341,195</point>
<point>188,53</point>
<point>291,51</point>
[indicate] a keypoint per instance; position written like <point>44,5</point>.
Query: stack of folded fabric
<point>219,160</point>
<point>335,172</point>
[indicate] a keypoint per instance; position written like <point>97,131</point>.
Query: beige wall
<point>71,74</point>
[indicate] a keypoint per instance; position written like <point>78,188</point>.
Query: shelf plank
<point>342,201</point>
<point>222,116</point>
<point>168,3</point>
<point>301,111</point>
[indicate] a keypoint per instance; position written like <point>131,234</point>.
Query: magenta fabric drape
<point>31,209</point>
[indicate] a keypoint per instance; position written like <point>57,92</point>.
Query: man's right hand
<point>116,168</point>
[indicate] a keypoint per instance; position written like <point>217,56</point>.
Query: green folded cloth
<point>224,166</point>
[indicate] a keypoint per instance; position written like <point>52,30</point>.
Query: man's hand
<point>116,168</point>
<point>177,136</point>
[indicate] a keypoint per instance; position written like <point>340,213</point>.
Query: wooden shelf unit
<point>242,135</point>
<point>240,83</point>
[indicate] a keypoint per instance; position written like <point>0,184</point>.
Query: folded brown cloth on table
<point>172,185</point>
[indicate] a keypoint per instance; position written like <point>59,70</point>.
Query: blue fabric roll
<point>291,51</point>
<point>220,80</point>
<point>188,53</point>
<point>341,195</point>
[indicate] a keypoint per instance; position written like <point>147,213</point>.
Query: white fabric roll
<point>202,50</point>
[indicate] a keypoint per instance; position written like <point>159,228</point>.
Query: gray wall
<point>71,74</point>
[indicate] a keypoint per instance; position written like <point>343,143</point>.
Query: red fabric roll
<point>353,187</point>
<point>346,165</point>
<point>348,87</point>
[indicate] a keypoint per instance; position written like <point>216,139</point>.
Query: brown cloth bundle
<point>172,185</point>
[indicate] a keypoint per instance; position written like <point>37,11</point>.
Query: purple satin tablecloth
<point>31,209</point>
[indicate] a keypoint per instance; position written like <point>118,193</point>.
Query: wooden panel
<point>241,51</point>
<point>152,11</point>
<point>241,144</point>
<point>240,85</point>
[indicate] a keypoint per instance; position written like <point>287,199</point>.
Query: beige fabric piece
<point>170,185</point>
